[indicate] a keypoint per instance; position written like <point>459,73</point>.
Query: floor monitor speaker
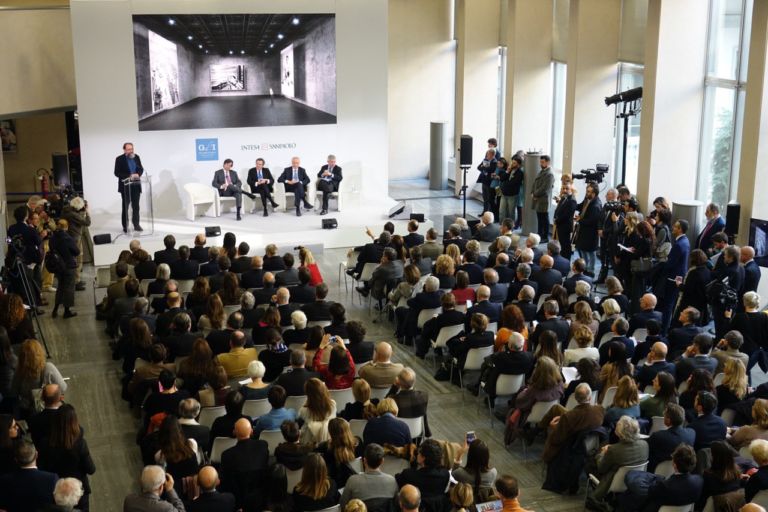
<point>102,239</point>
<point>330,224</point>
<point>212,230</point>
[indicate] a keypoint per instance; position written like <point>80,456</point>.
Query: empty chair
<point>506,385</point>
<point>415,425</point>
<point>342,397</point>
<point>321,323</point>
<point>296,402</point>
<point>208,414</point>
<point>473,362</point>
<point>200,195</point>
<point>357,427</point>
<point>255,408</point>
<point>220,444</point>
<point>610,393</point>
<point>272,438</point>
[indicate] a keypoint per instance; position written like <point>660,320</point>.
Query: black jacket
<point>336,175</point>
<point>294,380</point>
<point>511,181</point>
<point>253,175</point>
<point>273,263</point>
<point>122,172</point>
<point>75,462</point>
<point>253,278</point>
<point>213,501</point>
<point>241,264</point>
<point>66,247</point>
<point>302,294</point>
<point>557,325</point>
<point>413,239</point>
<point>287,175</point>
<point>166,256</point>
<point>184,269</point>
<point>546,279</point>
<point>199,253</point>
<point>589,222</point>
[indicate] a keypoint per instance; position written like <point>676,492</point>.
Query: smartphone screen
<point>470,436</point>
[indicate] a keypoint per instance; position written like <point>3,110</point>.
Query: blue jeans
<point>589,258</point>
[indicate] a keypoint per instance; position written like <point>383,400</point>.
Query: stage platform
<point>282,228</point>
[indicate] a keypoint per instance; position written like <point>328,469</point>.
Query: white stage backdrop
<point>102,33</point>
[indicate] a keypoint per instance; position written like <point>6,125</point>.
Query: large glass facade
<point>559,71</point>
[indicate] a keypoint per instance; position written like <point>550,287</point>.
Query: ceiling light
<point>171,21</point>
<point>231,52</point>
<point>189,38</point>
<point>295,21</point>
<point>265,51</point>
<point>271,45</point>
<point>206,51</point>
<point>280,36</point>
<point>242,52</point>
<point>200,46</point>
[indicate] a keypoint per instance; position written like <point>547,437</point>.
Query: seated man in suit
<point>40,424</point>
<point>471,267</point>
<point>217,279</point>
<point>284,306</point>
<point>180,339</point>
<point>563,265</point>
<point>413,238</point>
<point>218,339</point>
<point>199,252</point>
<point>210,267</point>
<point>26,487</point>
<point>371,253</point>
<point>272,261</point>
<point>524,301</point>
<point>647,492</point>
<point>242,263</point>
<point>647,312</point>
<point>565,427</point>
<point>319,309</point>
<point>728,348</point>
<point>696,356</point>
<point>264,294</point>
<point>210,499</point>
<point>506,274</point>
<point>448,317</point>
<point>296,180</point>
<point>390,269</point>
<point>661,444</point>
<point>619,330</point>
<point>184,268</point>
<point>512,360</point>
<point>751,270</point>
<point>169,254</point>
<point>551,322</point>
<point>486,230</point>
<point>253,277</point>
<point>522,275</point>
<point>483,305</point>
<point>329,176</point>
<point>371,483</point>
<point>289,276</point>
<point>707,424</point>
<point>261,182</point>
<point>228,184</point>
<point>386,428</point>
<point>244,466</point>
<point>578,267</point>
<point>303,292</point>
<point>681,337</point>
<point>532,242</point>
<point>655,362</point>
<point>453,236</point>
<point>546,277</point>
<point>428,298</point>
<point>653,327</point>
<point>293,381</point>
<point>497,292</point>
<point>235,362</point>
<point>381,372</point>
<point>157,493</point>
<point>411,403</point>
<point>431,248</point>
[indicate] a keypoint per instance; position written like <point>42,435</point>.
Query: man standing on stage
<point>260,180</point>
<point>296,180</point>
<point>330,177</point>
<point>128,167</point>
<point>228,184</point>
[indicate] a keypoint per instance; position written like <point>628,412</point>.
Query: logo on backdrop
<point>207,149</point>
<point>266,146</point>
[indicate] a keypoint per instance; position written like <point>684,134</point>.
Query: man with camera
<point>24,247</point>
<point>610,227</point>
<point>77,215</point>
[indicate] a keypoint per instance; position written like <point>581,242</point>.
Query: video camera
<point>616,207</point>
<point>597,174</point>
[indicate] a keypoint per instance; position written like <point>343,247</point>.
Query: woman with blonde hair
<point>316,412</point>
<point>582,316</point>
<point>615,291</point>
<point>307,260</point>
<point>14,317</point>
<point>445,267</point>
<point>363,407</point>
<point>315,491</point>
<point>611,311</point>
<point>33,372</point>
<point>743,436</point>
<point>616,367</point>
<point>734,386</point>
<point>341,449</point>
<point>584,339</point>
<point>625,402</point>
<point>462,497</point>
<point>454,252</point>
<point>214,317</point>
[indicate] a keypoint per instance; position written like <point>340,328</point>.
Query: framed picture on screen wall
<point>8,135</point>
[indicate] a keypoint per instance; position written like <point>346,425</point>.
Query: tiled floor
<point>80,349</point>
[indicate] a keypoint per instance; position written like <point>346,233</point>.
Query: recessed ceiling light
<point>231,52</point>
<point>265,51</point>
<point>272,45</point>
<point>200,46</point>
<point>189,38</point>
<point>242,52</point>
<point>171,21</point>
<point>206,51</point>
<point>295,21</point>
<point>280,36</point>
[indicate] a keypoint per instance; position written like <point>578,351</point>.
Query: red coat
<point>334,381</point>
<point>314,274</point>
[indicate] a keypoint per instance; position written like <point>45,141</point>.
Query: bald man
<point>411,403</point>
<point>244,466</point>
<point>751,272</point>
<point>40,424</point>
<point>656,362</point>
<point>381,372</point>
<point>647,312</point>
<point>211,500</point>
<point>751,507</point>
<point>546,276</point>
<point>409,498</point>
<point>285,306</point>
<point>483,305</point>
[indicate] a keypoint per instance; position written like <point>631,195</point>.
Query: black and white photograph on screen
<point>8,135</point>
<point>234,70</point>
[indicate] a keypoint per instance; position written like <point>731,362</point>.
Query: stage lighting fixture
<point>280,36</point>
<point>295,21</point>
<point>171,21</point>
<point>626,96</point>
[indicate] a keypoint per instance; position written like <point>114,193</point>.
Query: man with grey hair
<point>453,236</point>
<point>409,498</point>
<point>484,305</point>
<point>522,278</point>
<point>524,301</point>
<point>512,361</point>
<point>559,261</point>
<point>552,322</point>
<point>498,292</point>
<point>189,410</point>
<point>505,273</point>
<point>729,348</point>
<point>25,487</point>
<point>431,248</point>
<point>565,426</point>
<point>487,230</point>
<point>428,298</point>
<point>411,403</point>
<point>329,178</point>
<point>293,381</point>
<point>67,493</point>
<point>532,242</point>
<point>284,305</point>
<point>248,309</point>
<point>157,493</point>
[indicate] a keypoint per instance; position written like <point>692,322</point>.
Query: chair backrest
<point>103,277</point>
<point>144,284</point>
<point>321,323</point>
<point>541,301</point>
<point>293,478</point>
<point>709,506</point>
<point>665,469</point>
<point>342,397</point>
<point>610,393</point>
<point>199,192</point>
<point>185,285</point>
<point>393,465</point>
<point>295,402</point>
<point>572,298</point>
<point>367,272</point>
<point>228,310</point>
<point>604,339</point>
<point>571,403</point>
<point>569,373</point>
<point>492,327</point>
<point>728,416</point>
<point>572,344</point>
<point>539,410</point>
<point>272,438</point>
<point>379,393</point>
<point>640,335</point>
<point>657,423</point>
<point>719,379</point>
<point>761,498</point>
<point>255,408</point>
<point>335,508</point>
<point>446,333</point>
<point>508,384</point>
<point>475,357</point>
<point>678,508</point>
<point>461,307</point>
<point>356,465</point>
<point>208,414</point>
<point>415,425</point>
<point>649,390</point>
<point>357,427</point>
<point>683,387</point>
<point>219,445</point>
<point>617,484</point>
<point>744,452</point>
<point>426,314</point>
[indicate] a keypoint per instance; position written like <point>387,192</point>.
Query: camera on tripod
<point>616,207</point>
<point>597,174</point>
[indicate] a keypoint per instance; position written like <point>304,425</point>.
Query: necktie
<point>295,175</point>
<point>226,177</point>
<point>259,175</point>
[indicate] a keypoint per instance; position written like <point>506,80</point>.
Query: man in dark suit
<point>272,261</point>
<point>661,444</point>
<point>453,236</point>
<point>212,265</point>
<point>264,294</point>
<point>184,268</point>
<point>751,271</point>
<point>169,254</point>
<point>483,305</point>
<point>552,322</point>
<point>655,362</point>
<point>563,265</point>
<point>411,403</point>
<point>26,488</point>
<point>164,321</point>
<point>505,273</point>
<point>565,428</point>
<point>289,276</point>
<point>296,180</point>
<point>428,298</point>
<point>546,277</point>
<point>673,271</point>
<point>242,263</point>
<point>211,500</point>
<point>541,193</point>
<point>319,309</point>
<point>284,306</point>
<point>732,274</point>
<point>497,292</point>
<point>128,167</point>
<point>228,184</point>
<point>218,339</point>
<point>303,293</point>
<point>413,239</point>
<point>647,312</point>
<point>294,380</point>
<point>470,266</point>
<point>715,224</point>
<point>447,317</point>
<point>189,410</point>
<point>199,252</point>
<point>180,339</point>
<point>522,278</point>
<point>619,329</point>
<point>261,182</point>
<point>525,302</point>
<point>253,277</point>
<point>386,275</point>
<point>40,424</point>
<point>386,429</point>
<point>244,466</point>
<point>371,253</point>
<point>696,356</point>
<point>578,267</point>
<point>707,425</point>
<point>680,338</point>
<point>329,177</point>
<point>512,360</point>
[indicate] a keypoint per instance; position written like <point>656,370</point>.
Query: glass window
<point>559,72</point>
<point>629,77</point>
<point>502,96</point>
<point>725,21</point>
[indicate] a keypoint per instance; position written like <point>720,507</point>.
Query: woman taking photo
<point>341,449</point>
<point>315,491</point>
<point>316,412</point>
<point>340,370</point>
<point>66,247</point>
<point>33,372</point>
<point>66,453</point>
<point>478,471</point>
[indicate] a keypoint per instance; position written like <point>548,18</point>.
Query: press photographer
<point>612,221</point>
<point>77,215</point>
<point>23,258</point>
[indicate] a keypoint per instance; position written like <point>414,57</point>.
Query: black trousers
<point>264,193</point>
<point>131,197</point>
<point>233,191</point>
<point>543,225</point>
<point>298,193</point>
<point>326,187</point>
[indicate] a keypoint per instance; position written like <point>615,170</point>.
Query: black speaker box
<point>212,230</point>
<point>732,217</point>
<point>102,239</point>
<point>330,224</point>
<point>465,150</point>
<point>417,217</point>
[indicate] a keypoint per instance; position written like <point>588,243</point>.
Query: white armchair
<point>282,197</point>
<point>333,195</point>
<point>223,201</point>
<point>200,195</point>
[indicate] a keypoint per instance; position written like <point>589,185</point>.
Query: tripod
<point>463,192</point>
<point>31,289</point>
